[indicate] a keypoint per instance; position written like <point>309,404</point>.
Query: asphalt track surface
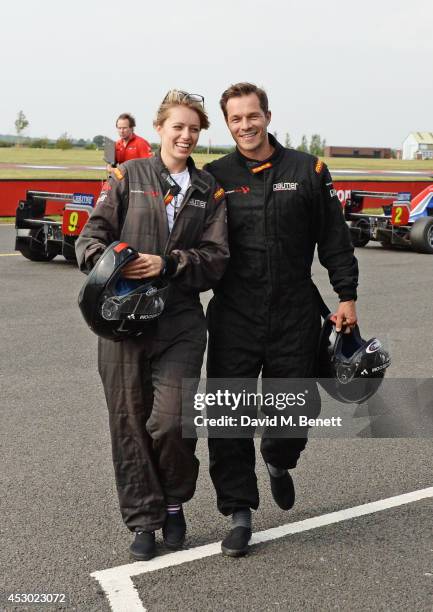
<point>60,521</point>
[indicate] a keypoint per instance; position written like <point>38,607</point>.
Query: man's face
<point>248,124</point>
<point>123,128</point>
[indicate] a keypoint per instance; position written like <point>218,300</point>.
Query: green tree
<point>316,147</point>
<point>39,143</point>
<point>64,142</point>
<point>287,141</point>
<point>304,144</point>
<point>99,141</point>
<point>20,123</point>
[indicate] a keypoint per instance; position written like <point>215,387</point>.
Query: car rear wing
<point>358,200</point>
<point>31,211</point>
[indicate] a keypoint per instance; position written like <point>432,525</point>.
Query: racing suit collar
<point>164,173</point>
<point>255,165</point>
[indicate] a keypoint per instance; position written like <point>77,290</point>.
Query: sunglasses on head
<point>176,95</point>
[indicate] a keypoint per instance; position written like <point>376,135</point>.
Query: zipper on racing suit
<point>184,202</point>
<point>269,285</point>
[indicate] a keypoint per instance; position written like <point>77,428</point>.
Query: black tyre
<point>387,244</point>
<point>68,249</point>
<point>362,237</point>
<point>34,248</point>
<point>421,235</point>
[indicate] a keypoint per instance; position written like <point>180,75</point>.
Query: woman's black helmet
<point>350,368</point>
<point>114,307</point>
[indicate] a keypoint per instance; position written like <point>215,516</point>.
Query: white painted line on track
<point>9,254</point>
<point>123,596</point>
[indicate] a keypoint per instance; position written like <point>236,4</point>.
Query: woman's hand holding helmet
<point>144,266</point>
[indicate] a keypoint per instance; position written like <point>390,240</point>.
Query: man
<point>265,314</point>
<point>129,146</point>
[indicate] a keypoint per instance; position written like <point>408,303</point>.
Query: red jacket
<point>135,147</point>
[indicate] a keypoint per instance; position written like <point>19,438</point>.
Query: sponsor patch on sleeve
<point>103,196</point>
<point>319,166</point>
<point>218,195</point>
<point>118,174</point>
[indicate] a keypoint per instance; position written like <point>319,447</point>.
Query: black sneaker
<point>143,547</point>
<point>235,544</point>
<point>174,530</point>
<point>283,490</point>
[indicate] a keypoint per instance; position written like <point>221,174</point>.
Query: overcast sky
<point>357,72</point>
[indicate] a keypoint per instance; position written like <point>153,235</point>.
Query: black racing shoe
<point>235,544</point>
<point>283,490</point>
<point>143,547</point>
<point>174,530</point>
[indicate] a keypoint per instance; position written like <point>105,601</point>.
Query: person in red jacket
<point>129,146</point>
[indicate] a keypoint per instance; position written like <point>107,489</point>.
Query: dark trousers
<point>142,377</point>
<point>239,349</point>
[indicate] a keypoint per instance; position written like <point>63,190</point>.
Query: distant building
<point>368,152</point>
<point>418,145</point>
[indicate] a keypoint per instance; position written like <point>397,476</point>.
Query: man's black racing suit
<point>265,314</point>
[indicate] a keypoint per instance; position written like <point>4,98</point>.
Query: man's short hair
<point>244,89</point>
<point>129,118</point>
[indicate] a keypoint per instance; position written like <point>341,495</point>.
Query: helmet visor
<point>145,303</point>
<point>345,372</point>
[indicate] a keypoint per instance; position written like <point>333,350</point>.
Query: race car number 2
<point>400,214</point>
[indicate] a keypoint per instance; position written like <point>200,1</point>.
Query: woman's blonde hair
<point>176,97</point>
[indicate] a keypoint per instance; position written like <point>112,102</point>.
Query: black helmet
<point>114,307</point>
<point>350,369</point>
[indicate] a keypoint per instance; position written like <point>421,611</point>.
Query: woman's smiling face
<point>179,134</point>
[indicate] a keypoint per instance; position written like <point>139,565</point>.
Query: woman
<point>174,215</point>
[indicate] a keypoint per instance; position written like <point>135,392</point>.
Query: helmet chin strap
<point>324,309</point>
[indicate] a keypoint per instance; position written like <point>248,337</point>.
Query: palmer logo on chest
<point>197,203</point>
<point>285,186</point>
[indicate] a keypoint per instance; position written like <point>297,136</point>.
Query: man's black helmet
<point>114,307</point>
<point>350,369</point>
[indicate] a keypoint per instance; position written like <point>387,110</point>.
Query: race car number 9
<point>73,221</point>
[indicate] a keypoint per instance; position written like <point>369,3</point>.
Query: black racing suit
<point>265,314</point>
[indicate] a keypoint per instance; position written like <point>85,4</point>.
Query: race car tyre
<point>360,239</point>
<point>68,249</point>
<point>34,249</point>
<point>387,244</point>
<point>421,235</point>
